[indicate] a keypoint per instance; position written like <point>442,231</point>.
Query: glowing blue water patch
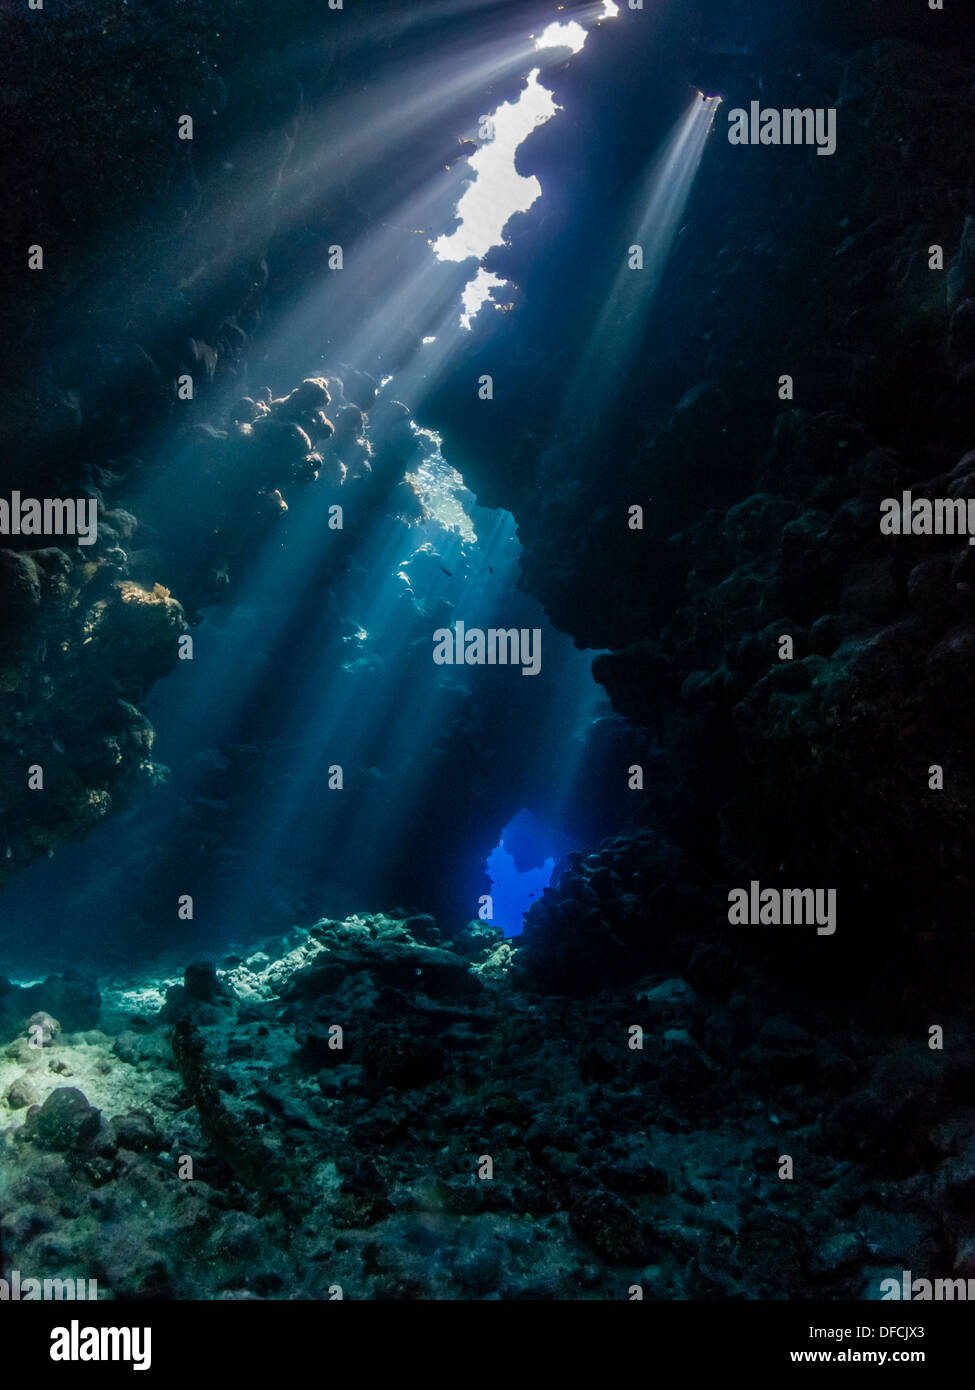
<point>520,867</point>
<point>512,893</point>
<point>440,488</point>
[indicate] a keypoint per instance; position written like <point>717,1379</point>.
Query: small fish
<point>446,571</point>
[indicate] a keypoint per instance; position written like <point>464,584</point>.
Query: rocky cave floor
<point>318,1169</point>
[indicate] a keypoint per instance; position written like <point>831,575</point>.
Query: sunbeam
<point>656,217</point>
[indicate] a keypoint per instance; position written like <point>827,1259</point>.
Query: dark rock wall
<point>762,516</point>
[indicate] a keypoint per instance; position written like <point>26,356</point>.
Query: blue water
<point>521,865</point>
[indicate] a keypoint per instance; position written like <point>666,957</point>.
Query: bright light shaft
<point>670,188</point>
<point>660,208</point>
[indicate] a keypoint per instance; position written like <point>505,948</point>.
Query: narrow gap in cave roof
<point>497,190</point>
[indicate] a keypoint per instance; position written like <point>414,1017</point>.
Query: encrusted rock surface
<point>459,1137</point>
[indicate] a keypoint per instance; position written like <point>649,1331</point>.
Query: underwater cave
<point>486,656</point>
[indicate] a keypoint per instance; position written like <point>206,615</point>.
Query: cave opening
<point>497,191</point>
<point>521,865</point>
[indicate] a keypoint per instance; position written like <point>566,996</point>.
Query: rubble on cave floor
<point>368,1108</point>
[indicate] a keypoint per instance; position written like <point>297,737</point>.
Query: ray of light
<point>657,216</point>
